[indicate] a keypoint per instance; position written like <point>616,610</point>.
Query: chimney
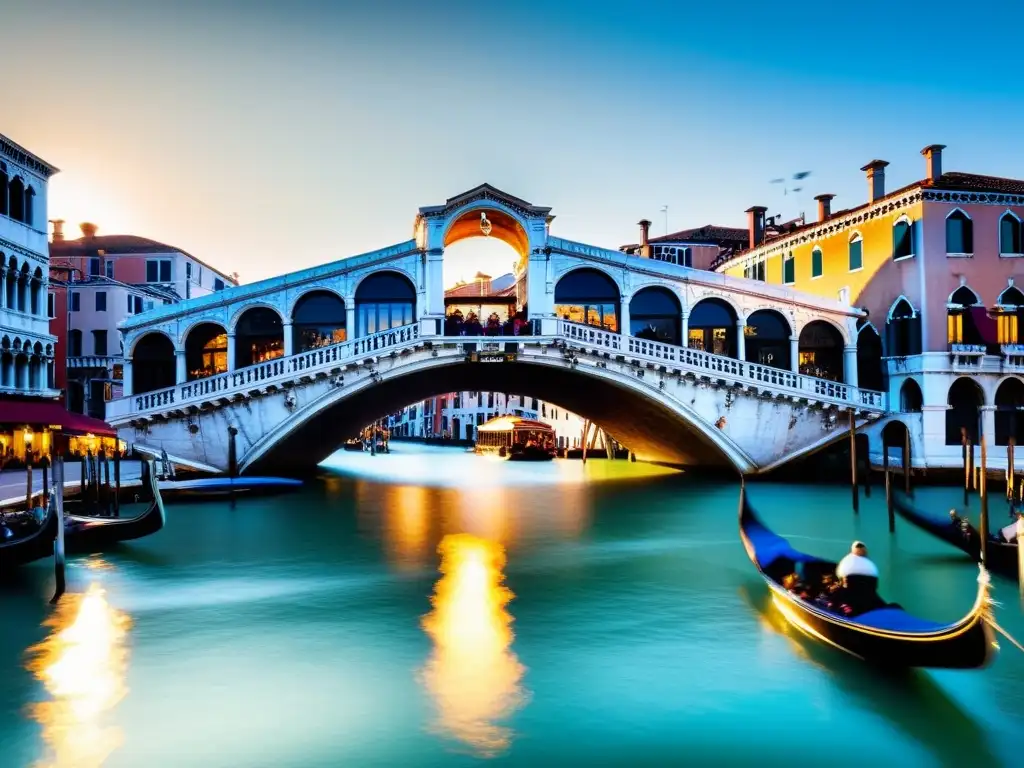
<point>88,230</point>
<point>645,237</point>
<point>58,230</point>
<point>933,160</point>
<point>755,225</point>
<point>824,207</point>
<point>875,171</point>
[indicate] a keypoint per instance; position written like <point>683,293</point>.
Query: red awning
<point>985,325</point>
<point>48,414</point>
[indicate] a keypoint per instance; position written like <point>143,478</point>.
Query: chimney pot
<point>933,160</point>
<point>755,225</point>
<point>824,206</point>
<point>875,171</point>
<point>58,230</point>
<point>88,229</point>
<point>645,237</point>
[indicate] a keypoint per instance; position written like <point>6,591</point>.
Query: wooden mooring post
<point>854,490</point>
<point>888,501</point>
<point>983,492</point>
<point>59,564</point>
<point>964,446</point>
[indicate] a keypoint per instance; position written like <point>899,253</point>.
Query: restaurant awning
<point>48,414</point>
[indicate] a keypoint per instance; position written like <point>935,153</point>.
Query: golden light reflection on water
<point>406,525</point>
<point>82,665</point>
<point>473,676</point>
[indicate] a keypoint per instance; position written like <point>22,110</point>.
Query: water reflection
<point>473,676</point>
<point>82,665</point>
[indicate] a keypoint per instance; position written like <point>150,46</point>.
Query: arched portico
<point>712,327</point>
<point>259,336</point>
<point>153,363</point>
<point>768,339</point>
<point>589,297</point>
<point>206,351</point>
<point>656,314</point>
<point>319,319</point>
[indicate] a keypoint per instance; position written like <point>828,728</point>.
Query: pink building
<point>99,280</point>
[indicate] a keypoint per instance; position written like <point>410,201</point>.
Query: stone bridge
<point>684,366</point>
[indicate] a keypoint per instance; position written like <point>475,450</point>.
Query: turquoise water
<point>598,615</point>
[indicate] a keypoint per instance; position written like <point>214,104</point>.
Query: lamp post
<point>28,468</point>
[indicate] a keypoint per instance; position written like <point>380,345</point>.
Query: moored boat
<point>1001,556</point>
<point>516,439</point>
<point>25,538</point>
<point>89,533</point>
<point>200,488</point>
<point>885,635</point>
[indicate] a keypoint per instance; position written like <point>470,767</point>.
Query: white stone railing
<point>317,361</point>
<point>272,371</point>
<point>739,370</point>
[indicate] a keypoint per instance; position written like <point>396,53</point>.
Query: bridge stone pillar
<point>289,341</point>
<point>741,339</point>
<point>181,375</point>
<point>624,317</point>
<point>350,319</point>
<point>126,378</point>
<point>434,304</point>
<point>684,329</point>
<point>231,351</point>
<point>794,354</point>
<point>850,365</point>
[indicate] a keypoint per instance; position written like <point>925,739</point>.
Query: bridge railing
<point>730,367</point>
<point>260,374</point>
<point>318,360</point>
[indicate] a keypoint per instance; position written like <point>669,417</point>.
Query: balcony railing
<point>322,360</point>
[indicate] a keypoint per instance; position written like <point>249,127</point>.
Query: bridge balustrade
<point>316,360</point>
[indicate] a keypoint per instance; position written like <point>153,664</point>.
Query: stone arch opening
<point>206,351</point>
<point>153,363</point>
<point>712,327</point>
<point>894,435</point>
<point>649,425</point>
<point>821,351</point>
<point>384,300</point>
<point>911,398</point>
<point>964,400</point>
<point>766,337</point>
<point>16,199</point>
<point>870,369</point>
<point>319,319</point>
<point>36,293</point>
<point>485,288</point>
<point>11,286</point>
<point>24,284</point>
<point>589,297</point>
<point>1009,402</point>
<point>259,337</point>
<point>655,314</point>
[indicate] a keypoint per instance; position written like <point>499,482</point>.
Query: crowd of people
<point>456,324</point>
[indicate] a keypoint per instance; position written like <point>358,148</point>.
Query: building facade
<point>27,347</point>
<point>938,266</point>
<point>100,280</point>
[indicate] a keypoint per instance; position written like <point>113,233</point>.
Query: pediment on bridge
<point>483,194</point>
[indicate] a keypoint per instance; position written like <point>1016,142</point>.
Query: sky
<point>266,137</point>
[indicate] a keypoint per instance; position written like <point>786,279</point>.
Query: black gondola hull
<point>886,636</point>
<point>35,546</point>
<point>84,534</point>
<point>968,647</point>
<point>1001,557</point>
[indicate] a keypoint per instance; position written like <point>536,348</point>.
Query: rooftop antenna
<point>664,209</point>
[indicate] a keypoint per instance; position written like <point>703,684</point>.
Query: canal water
<point>431,607</point>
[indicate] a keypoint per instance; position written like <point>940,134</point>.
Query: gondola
<point>886,636</point>
<point>1000,556</point>
<point>90,533</point>
<point>24,538</point>
<point>204,488</point>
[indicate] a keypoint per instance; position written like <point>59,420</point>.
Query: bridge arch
<point>384,299</point>
<point>319,318</point>
<point>153,362</point>
<point>767,338</point>
<point>635,413</point>
<point>590,296</point>
<point>712,326</point>
<point>259,335</point>
<point>822,348</point>
<point>206,350</point>
<point>655,313</point>
<point>505,225</point>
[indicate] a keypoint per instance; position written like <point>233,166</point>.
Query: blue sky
<point>264,137</point>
